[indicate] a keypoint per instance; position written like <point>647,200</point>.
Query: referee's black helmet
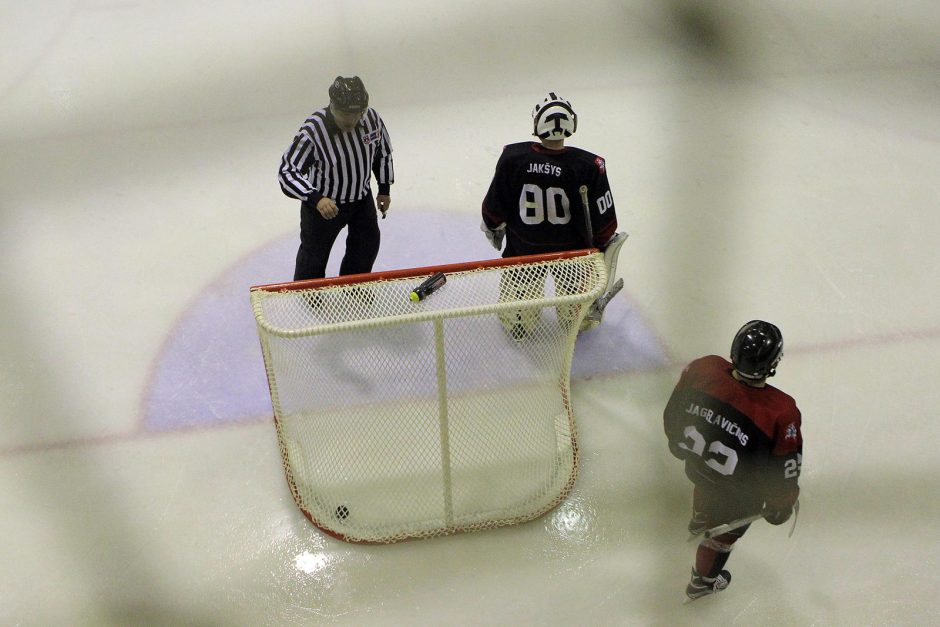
<point>349,95</point>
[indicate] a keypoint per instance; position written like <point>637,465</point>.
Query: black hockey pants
<point>318,234</point>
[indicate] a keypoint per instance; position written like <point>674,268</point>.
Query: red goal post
<point>399,419</point>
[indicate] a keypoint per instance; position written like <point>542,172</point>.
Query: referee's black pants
<point>317,235</point>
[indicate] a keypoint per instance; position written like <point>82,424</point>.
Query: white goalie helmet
<point>554,118</point>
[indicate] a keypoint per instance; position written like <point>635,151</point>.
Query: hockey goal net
<point>399,419</point>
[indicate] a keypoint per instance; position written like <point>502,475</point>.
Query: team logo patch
<point>599,162</point>
<point>791,432</point>
<point>368,138</point>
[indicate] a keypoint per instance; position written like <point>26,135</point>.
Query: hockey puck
<point>342,512</point>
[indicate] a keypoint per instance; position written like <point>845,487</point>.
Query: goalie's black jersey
<point>535,191</point>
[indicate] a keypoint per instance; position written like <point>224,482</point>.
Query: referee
<point>328,167</point>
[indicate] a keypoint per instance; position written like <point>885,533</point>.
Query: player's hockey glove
<point>778,516</point>
<point>494,235</point>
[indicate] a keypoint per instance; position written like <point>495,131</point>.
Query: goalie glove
<point>494,235</point>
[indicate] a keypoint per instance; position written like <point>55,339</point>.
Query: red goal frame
<point>352,279</point>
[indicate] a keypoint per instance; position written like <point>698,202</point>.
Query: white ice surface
<point>773,160</point>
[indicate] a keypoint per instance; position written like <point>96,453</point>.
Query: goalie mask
<point>757,349</point>
<point>553,118</point>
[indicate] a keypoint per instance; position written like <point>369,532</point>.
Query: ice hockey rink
<point>775,160</point>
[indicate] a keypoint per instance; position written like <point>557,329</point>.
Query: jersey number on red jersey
<point>716,451</point>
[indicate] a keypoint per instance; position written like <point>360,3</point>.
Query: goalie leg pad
<point>564,286</point>
<point>611,254</point>
<point>520,322</point>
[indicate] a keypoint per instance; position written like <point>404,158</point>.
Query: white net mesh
<point>400,419</point>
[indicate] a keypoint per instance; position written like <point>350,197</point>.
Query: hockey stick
<point>589,230</point>
<point>740,522</point>
<point>726,527</point>
<point>731,526</point>
<point>611,252</point>
<point>596,312</point>
<point>796,514</point>
<point>601,302</point>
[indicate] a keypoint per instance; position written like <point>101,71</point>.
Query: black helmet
<point>349,95</point>
<point>756,350</point>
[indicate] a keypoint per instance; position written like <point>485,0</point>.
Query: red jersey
<point>735,436</point>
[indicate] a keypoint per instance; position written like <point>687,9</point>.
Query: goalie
<point>547,197</point>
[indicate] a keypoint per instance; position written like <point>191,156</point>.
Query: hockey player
<point>535,199</point>
<point>741,443</point>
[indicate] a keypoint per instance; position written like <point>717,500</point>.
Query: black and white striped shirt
<point>323,160</point>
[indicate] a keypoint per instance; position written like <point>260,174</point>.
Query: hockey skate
<point>701,586</point>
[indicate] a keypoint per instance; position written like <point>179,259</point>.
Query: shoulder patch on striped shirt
<point>368,138</point>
